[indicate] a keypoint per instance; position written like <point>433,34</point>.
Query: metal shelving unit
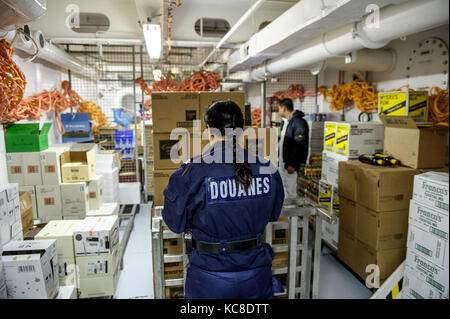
<point>299,274</point>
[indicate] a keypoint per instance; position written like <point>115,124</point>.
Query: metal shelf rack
<point>299,274</point>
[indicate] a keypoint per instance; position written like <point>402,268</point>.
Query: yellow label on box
<point>330,137</point>
<point>393,103</point>
<point>418,106</point>
<point>342,132</point>
<point>325,193</point>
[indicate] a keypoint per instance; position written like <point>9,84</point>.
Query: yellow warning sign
<point>342,132</point>
<point>412,103</point>
<point>330,136</point>
<point>418,106</point>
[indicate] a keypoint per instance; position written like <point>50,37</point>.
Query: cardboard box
<point>30,268</point>
<point>51,166</point>
<point>336,206</point>
<point>263,142</point>
<point>173,246</point>
<point>26,212</point>
<point>432,189</point>
<point>110,186</point>
<point>16,171</point>
<point>107,209</point>
<point>381,230</point>
<point>429,246</point>
<point>117,161</point>
<point>96,235</point>
<point>62,231</point>
<point>67,292</point>
<point>329,140</point>
<point>414,288</point>
<point>413,146</point>
<point>105,162</point>
<point>280,259</point>
<point>404,103</point>
<point>32,168</point>
<point>67,271</point>
<point>378,188</point>
<point>347,217</point>
<point>129,193</point>
<point>78,166</point>
<point>162,151</point>
<point>10,218</point>
<point>325,195</point>
<point>75,199</point>
<point>95,187</point>
<point>176,292</point>
<point>98,274</point>
<point>27,137</point>
<point>347,248</point>
<point>429,219</point>
<point>330,167</point>
<point>173,270</point>
<point>174,109</point>
<point>208,98</point>
<point>78,127</point>
<point>357,138</point>
<point>161,179</point>
<point>428,272</point>
<point>387,260</point>
<point>280,236</point>
<point>32,191</point>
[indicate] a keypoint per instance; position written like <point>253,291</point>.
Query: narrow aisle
<point>136,278</point>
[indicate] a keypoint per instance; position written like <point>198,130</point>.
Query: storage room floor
<point>136,278</point>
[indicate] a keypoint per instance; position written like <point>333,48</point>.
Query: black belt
<point>226,248</point>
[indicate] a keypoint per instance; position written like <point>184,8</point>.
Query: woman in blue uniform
<point>226,197</point>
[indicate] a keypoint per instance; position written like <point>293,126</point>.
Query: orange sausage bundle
<point>438,108</point>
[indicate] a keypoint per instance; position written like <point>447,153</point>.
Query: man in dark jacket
<point>293,147</point>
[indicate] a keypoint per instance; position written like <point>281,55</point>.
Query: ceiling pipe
<point>395,22</point>
<point>15,13</point>
<point>241,20</point>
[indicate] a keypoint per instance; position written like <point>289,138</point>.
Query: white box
<point>432,189</point>
<point>425,270</point>
<point>428,245</point>
<point>105,162</point>
<point>49,202</point>
<point>98,274</point>
<point>414,288</point>
<point>50,164</point>
<point>429,219</point>
<point>107,209</point>
<point>330,167</point>
<point>129,193</point>
<point>357,138</point>
<point>96,235</point>
<point>62,231</point>
<point>14,163</point>
<point>330,232</point>
<point>67,292</point>
<point>68,272</point>
<point>32,168</point>
<point>95,187</point>
<point>110,186</point>
<point>32,191</point>
<point>10,219</point>
<point>3,293</point>
<point>75,199</point>
<point>30,269</point>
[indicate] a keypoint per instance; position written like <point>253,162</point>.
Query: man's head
<point>286,107</point>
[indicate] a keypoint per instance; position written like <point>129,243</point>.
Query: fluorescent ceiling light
<point>152,35</point>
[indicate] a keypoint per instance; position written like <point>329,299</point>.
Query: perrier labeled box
<point>27,137</point>
<point>174,109</point>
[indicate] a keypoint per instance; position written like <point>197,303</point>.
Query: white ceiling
<point>124,16</point>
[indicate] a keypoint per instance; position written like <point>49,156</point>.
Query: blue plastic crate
<point>124,139</point>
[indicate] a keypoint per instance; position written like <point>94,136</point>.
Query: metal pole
<point>144,140</point>
<point>135,117</point>
<point>263,104</point>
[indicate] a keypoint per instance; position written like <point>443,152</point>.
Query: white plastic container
<point>129,193</point>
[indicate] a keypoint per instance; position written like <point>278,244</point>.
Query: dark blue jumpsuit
<point>205,198</point>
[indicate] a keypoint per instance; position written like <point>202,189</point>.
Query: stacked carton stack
<point>316,131</point>
<point>343,141</point>
<point>149,157</point>
<point>96,244</point>
<point>62,232</point>
<point>108,169</point>
<point>10,217</point>
<point>31,269</point>
<point>427,259</point>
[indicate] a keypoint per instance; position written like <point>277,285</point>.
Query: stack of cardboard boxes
<point>97,252</point>
<point>375,201</point>
<point>10,218</point>
<point>343,141</point>
<point>427,260</point>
